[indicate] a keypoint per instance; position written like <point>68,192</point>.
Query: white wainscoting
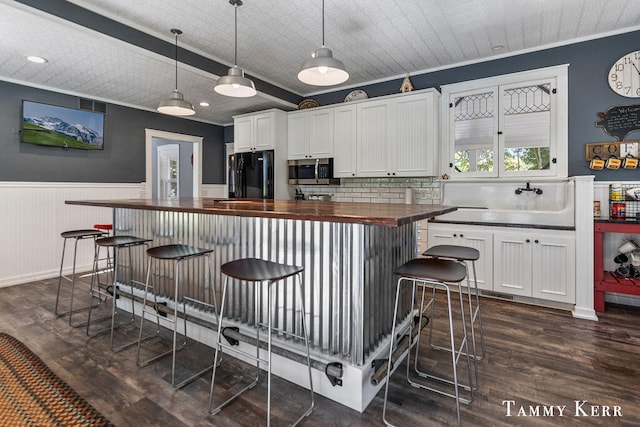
<point>214,190</point>
<point>32,216</point>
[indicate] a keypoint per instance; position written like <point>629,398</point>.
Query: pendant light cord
<point>176,33</point>
<point>235,58</point>
<point>323,23</point>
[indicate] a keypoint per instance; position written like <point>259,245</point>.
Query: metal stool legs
<point>220,346</point>
<point>465,254</point>
<point>76,235</point>
<point>417,272</point>
<point>112,291</point>
<point>155,313</point>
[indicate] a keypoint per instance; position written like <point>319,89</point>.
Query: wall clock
<point>624,76</point>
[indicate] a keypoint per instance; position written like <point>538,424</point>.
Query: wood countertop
<point>384,214</point>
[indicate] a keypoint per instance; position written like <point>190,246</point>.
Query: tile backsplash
<point>380,190</point>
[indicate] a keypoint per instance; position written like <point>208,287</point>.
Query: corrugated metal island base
<point>349,251</point>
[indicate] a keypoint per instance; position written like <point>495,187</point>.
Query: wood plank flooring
<point>535,356</point>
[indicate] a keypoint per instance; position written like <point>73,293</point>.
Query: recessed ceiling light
<point>204,104</point>
<point>37,59</point>
<point>497,47</point>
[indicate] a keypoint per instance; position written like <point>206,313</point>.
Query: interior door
<point>168,171</point>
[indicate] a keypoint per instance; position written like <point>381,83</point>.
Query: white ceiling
<point>376,40</point>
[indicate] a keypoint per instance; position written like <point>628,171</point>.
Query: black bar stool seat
<point>260,272</point>
<point>178,253</point>
<point>78,235</point>
<point>436,269</point>
<point>460,253</point>
<point>81,234</point>
<point>116,243</point>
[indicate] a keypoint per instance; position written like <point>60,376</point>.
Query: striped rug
<point>32,395</point>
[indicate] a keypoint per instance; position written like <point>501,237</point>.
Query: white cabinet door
<point>554,267</point>
<point>374,135</point>
<point>470,236</point>
<point>260,131</point>
<point>310,134</point>
<point>265,133</point>
<point>416,140</point>
<point>243,134</point>
<point>320,133</point>
<point>512,264</point>
<point>297,136</point>
<point>344,141</point>
<point>483,242</point>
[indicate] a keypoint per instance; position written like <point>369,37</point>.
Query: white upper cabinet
<point>415,119</point>
<point>398,136</point>
<point>395,135</point>
<point>374,138</point>
<point>259,131</point>
<point>344,141</point>
<point>310,134</point>
<point>512,125</point>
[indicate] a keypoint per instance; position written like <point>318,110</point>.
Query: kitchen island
<point>349,251</point>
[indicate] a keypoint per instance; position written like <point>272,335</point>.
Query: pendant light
<point>175,105</point>
<point>235,84</point>
<point>322,69</point>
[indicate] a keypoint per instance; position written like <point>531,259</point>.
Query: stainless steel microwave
<point>311,171</point>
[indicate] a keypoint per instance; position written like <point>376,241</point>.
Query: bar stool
<point>436,273</point>
<point>108,229</point>
<point>177,253</point>
<point>465,254</point>
<point>77,235</point>
<point>259,272</point>
<point>115,243</point>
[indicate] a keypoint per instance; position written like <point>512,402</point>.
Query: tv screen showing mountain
<point>54,126</point>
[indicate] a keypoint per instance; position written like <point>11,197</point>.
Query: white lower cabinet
<point>535,263</point>
<point>471,236</point>
<point>525,262</point>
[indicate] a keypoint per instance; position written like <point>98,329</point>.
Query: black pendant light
<point>235,84</point>
<point>176,105</point>
<point>322,69</point>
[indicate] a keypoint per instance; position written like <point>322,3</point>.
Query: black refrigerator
<point>251,175</point>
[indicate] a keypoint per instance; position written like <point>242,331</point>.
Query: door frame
<point>197,156</point>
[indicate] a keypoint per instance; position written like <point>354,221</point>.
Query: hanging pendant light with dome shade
<point>235,84</point>
<point>176,105</point>
<point>322,69</point>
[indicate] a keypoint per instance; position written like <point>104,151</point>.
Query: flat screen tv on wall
<point>55,126</point>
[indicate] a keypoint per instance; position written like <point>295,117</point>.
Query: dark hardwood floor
<point>535,356</point>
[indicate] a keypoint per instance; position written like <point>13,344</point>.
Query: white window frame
<point>557,75</point>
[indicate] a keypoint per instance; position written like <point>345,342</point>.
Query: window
<point>511,125</point>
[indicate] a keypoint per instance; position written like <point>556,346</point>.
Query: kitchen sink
<point>499,202</point>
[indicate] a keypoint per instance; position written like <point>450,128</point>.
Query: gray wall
<point>123,157</point>
<point>589,90</point>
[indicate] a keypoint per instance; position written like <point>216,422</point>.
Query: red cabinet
<point>604,281</point>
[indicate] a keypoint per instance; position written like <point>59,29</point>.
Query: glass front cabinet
<point>514,127</point>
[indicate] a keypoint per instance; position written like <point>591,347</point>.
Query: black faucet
<point>519,190</point>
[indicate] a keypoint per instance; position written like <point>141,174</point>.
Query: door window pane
<point>474,132</point>
<point>527,128</point>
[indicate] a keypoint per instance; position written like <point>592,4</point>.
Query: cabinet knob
<point>528,241</point>
<point>536,241</point>
<point>388,173</point>
<point>462,235</point>
<point>455,235</point>
<point>393,173</point>
<point>353,174</point>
